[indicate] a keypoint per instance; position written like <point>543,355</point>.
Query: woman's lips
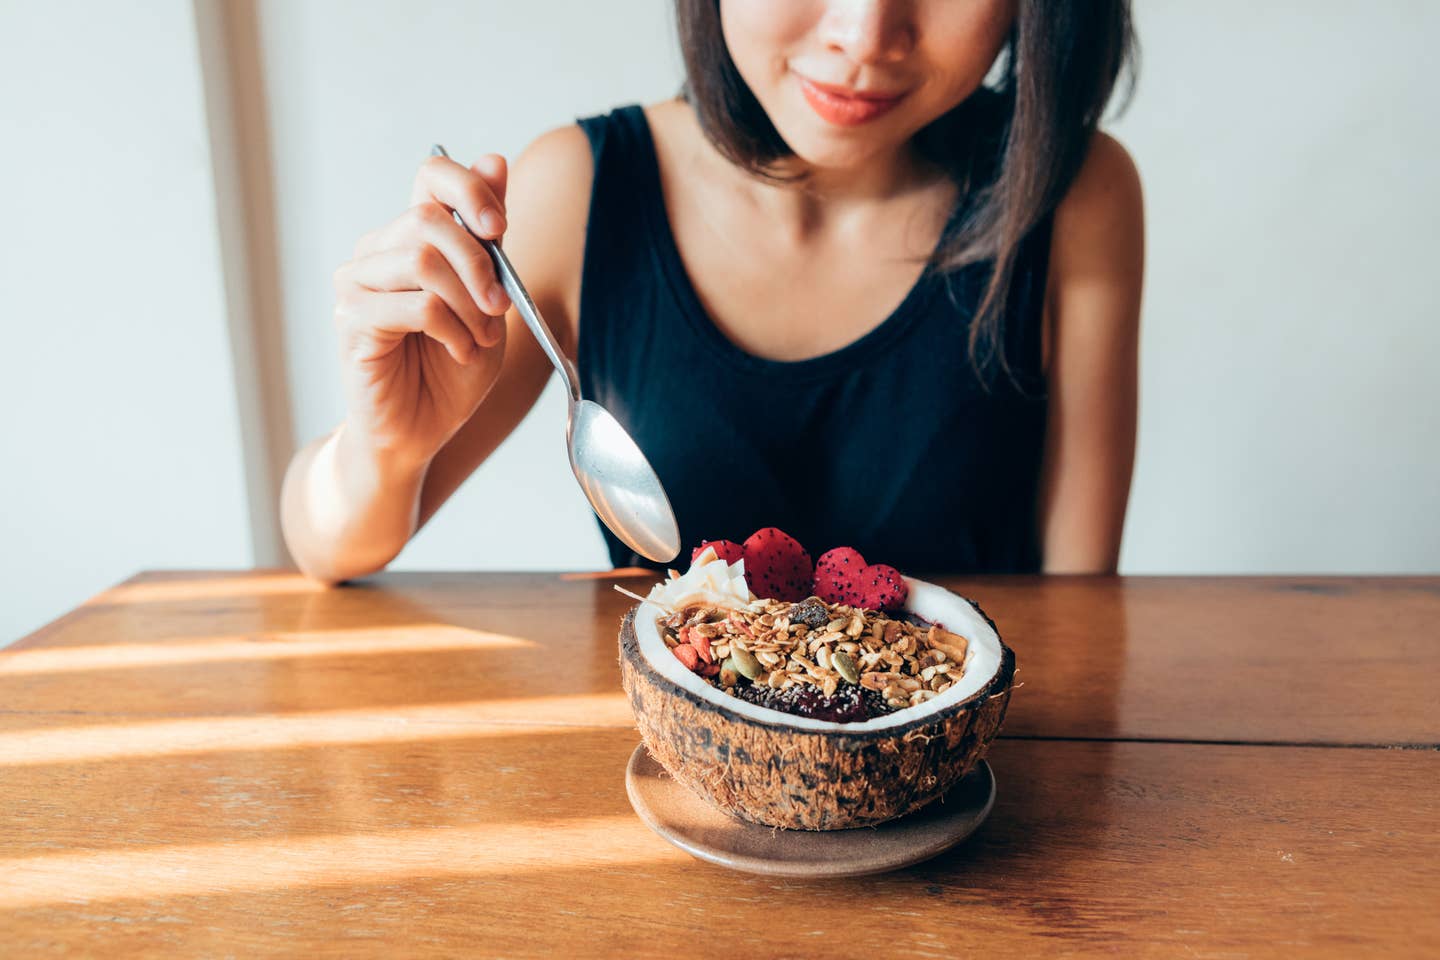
<point>844,107</point>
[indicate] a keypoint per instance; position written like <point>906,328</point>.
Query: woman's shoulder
<point>1102,213</point>
<point>563,151</point>
<point>1097,254</point>
<point>565,155</point>
<point>547,203</point>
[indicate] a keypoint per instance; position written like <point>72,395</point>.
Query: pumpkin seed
<point>729,673</point>
<point>845,664</point>
<point>744,661</point>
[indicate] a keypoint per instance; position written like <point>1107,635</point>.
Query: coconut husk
<point>800,779</point>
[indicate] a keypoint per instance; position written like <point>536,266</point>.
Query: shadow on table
<point>466,775</point>
<point>609,881</point>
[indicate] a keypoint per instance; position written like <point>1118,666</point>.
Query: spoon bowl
<point>622,487</point>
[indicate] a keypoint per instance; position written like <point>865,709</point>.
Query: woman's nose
<point>869,31</point>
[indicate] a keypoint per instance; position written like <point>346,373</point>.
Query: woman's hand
<point>420,315</point>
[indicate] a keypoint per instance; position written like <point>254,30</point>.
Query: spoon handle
<point>510,280</point>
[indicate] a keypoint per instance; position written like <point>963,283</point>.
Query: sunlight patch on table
<point>209,588</point>
<point>281,645</point>
<point>619,573</point>
<point>449,721</point>
<point>335,860</point>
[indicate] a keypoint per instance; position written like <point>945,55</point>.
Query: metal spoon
<point>619,482</point>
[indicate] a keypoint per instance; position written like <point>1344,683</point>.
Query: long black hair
<point>1056,74</point>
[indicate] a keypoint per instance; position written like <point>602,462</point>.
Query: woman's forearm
<point>345,511</point>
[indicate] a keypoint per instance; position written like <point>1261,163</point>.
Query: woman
<point>841,286</point>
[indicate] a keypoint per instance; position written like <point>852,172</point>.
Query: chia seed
<point>849,704</point>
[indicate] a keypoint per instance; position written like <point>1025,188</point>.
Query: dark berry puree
<point>849,704</point>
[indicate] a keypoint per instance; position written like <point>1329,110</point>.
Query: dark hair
<point>1056,74</point>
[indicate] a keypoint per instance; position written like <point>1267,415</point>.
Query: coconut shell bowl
<point>763,768</point>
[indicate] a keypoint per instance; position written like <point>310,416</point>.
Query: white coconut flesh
<point>936,604</point>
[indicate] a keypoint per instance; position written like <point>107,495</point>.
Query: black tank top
<point>893,444</point>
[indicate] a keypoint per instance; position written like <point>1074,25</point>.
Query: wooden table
<point>233,764</point>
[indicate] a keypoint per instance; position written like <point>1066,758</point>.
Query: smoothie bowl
<point>843,695</point>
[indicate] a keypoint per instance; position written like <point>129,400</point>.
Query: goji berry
<point>687,655</point>
<point>702,647</point>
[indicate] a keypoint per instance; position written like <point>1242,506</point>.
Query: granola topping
<point>831,661</point>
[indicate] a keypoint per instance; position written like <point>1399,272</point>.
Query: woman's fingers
<point>422,266</point>
<point>387,317</point>
<point>465,191</point>
<point>425,273</point>
<point>431,224</point>
<point>496,172</point>
<point>478,195</point>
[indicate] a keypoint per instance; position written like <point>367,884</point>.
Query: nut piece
<point>952,645</point>
<point>744,661</point>
<point>844,664</point>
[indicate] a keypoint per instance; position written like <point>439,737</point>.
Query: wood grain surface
<point>432,764</point>
<point>518,842</point>
<point>1262,660</point>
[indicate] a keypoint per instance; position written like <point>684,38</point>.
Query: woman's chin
<point>818,149</point>
<point>818,144</point>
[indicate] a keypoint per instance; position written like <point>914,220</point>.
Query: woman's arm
<point>1092,333</point>
<point>347,507</point>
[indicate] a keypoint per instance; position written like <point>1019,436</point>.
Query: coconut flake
<point>709,580</point>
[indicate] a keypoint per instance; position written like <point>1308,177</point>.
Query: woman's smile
<point>844,106</point>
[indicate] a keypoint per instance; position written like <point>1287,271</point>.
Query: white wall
<point>1290,408</point>
<point>117,406</point>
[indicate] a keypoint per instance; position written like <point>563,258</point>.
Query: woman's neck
<point>813,199</point>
